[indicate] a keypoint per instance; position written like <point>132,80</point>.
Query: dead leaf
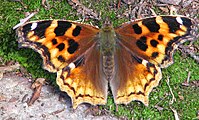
<point>13,99</point>
<point>37,85</point>
<point>35,95</point>
<point>158,107</point>
<point>38,82</point>
<point>164,9</point>
<point>1,75</point>
<point>57,111</point>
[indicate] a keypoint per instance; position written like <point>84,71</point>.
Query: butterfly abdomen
<point>108,66</point>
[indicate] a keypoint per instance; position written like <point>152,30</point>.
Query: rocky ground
<point>15,92</point>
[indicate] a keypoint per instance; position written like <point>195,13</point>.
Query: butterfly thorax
<point>107,48</point>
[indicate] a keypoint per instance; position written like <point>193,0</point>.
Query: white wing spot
<point>144,62</point>
<point>34,25</point>
<point>71,66</point>
<point>179,20</point>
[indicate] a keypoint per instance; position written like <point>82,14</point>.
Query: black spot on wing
<point>141,43</point>
<point>143,39</point>
<point>76,31</point>
<point>62,28</point>
<point>160,37</point>
<point>186,22</point>
<point>172,23</point>
<point>73,46</point>
<point>154,43</point>
<point>151,24</point>
<point>137,29</point>
<point>61,58</point>
<point>154,54</point>
<point>54,41</point>
<point>61,46</point>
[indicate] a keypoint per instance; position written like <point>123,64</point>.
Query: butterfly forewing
<point>58,42</point>
<point>154,39</point>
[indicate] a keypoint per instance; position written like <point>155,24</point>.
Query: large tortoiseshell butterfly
<point>129,58</point>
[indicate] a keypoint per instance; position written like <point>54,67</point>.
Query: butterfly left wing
<point>144,46</point>
<point>59,42</point>
<point>83,80</point>
<point>70,49</point>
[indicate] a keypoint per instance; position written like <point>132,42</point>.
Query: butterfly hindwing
<point>85,82</point>
<point>135,77</point>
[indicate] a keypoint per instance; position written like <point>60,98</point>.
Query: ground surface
<point>15,92</point>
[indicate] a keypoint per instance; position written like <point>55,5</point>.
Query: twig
<point>22,21</point>
<point>175,113</point>
<point>173,97</point>
<point>57,111</point>
<point>45,4</point>
<point>186,82</point>
<point>156,105</point>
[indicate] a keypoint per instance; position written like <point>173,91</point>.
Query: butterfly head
<point>107,25</point>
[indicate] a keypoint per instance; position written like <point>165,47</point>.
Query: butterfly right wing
<point>145,46</point>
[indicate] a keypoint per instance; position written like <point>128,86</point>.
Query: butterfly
<point>88,60</point>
